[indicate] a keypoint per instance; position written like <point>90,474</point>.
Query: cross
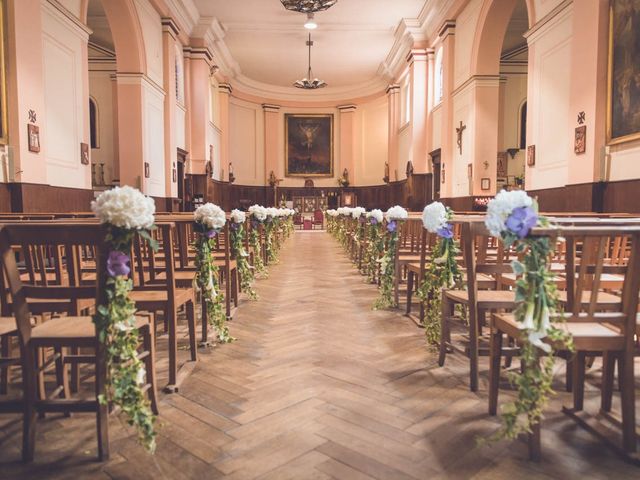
<point>459,131</point>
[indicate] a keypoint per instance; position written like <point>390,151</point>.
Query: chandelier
<point>308,6</point>
<point>310,83</point>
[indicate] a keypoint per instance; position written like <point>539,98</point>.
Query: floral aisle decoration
<point>258,216</point>
<point>341,234</point>
<point>125,213</point>
<point>394,216</point>
<point>331,215</point>
<point>245,271</point>
<point>358,214</point>
<point>511,216</point>
<point>442,271</point>
<point>270,227</point>
<point>209,220</point>
<point>375,243</point>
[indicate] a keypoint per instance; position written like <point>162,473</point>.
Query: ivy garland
<point>242,259</point>
<point>537,304</point>
<point>115,323</point>
<point>207,276</point>
<point>443,272</point>
<point>272,255</point>
<point>258,260</point>
<point>511,216</point>
<point>388,270</point>
<point>375,248</point>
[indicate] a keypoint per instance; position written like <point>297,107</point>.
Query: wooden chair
<point>318,219</point>
<point>596,329</point>
<point>162,295</point>
<point>62,333</point>
<point>477,260</point>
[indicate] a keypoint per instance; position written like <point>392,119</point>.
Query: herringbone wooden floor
<point>317,386</point>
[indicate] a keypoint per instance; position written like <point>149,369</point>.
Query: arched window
<point>523,126</point>
<point>438,90</point>
<point>93,123</point>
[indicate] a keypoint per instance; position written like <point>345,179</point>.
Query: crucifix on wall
<point>459,131</point>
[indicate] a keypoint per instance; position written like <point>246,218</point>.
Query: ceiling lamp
<point>308,6</point>
<point>310,24</point>
<point>310,83</point>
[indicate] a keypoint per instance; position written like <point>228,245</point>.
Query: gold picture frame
<point>614,137</point>
<point>4,127</point>
<point>315,133</point>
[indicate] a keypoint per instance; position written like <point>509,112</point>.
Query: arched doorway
<point>499,68</point>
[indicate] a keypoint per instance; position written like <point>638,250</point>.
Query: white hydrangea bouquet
<point>511,216</point>
<point>393,216</point>
<point>237,233</point>
<point>442,271</point>
<point>209,220</point>
<point>125,214</point>
<point>375,244</point>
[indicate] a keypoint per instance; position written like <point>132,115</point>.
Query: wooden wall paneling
<point>5,198</point>
<point>36,198</point>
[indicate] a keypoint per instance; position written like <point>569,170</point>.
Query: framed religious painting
<point>308,145</point>
<point>623,92</point>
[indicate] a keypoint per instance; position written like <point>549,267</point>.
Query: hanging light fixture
<point>310,83</point>
<point>308,6</point>
<point>310,24</point>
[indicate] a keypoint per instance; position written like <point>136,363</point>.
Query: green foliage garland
<point>207,276</point>
<point>442,272</point>
<point>375,248</point>
<point>270,247</point>
<point>242,259</point>
<point>115,323</point>
<point>387,274</point>
<point>258,260</point>
<point>536,299</point>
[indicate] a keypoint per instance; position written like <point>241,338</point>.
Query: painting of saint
<point>309,145</point>
<point>623,121</point>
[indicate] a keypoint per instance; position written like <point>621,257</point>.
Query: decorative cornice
<point>347,108</point>
<point>270,108</point>
<point>225,88</point>
<point>198,52</point>
<point>477,81</point>
<point>393,88</point>
<point>447,28</point>
<point>170,26</point>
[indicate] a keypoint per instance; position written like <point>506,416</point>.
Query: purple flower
<point>211,234</point>
<point>374,221</point>
<point>118,264</point>
<point>391,226</point>
<point>235,226</point>
<point>445,232</point>
<point>254,224</point>
<point>522,220</point>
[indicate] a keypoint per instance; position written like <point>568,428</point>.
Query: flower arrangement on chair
<point>125,213</point>
<point>258,216</point>
<point>238,219</point>
<point>511,216</point>
<point>375,243</point>
<point>442,272</point>
<point>209,220</point>
<point>388,261</point>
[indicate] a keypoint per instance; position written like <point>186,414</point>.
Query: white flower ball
<point>210,215</point>
<point>500,208</point>
<point>358,212</point>
<point>376,214</point>
<point>238,216</point>
<point>124,207</point>
<point>258,212</point>
<point>434,216</point>
<point>396,213</point>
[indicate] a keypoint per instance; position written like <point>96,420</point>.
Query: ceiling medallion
<point>308,6</point>
<point>310,83</point>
